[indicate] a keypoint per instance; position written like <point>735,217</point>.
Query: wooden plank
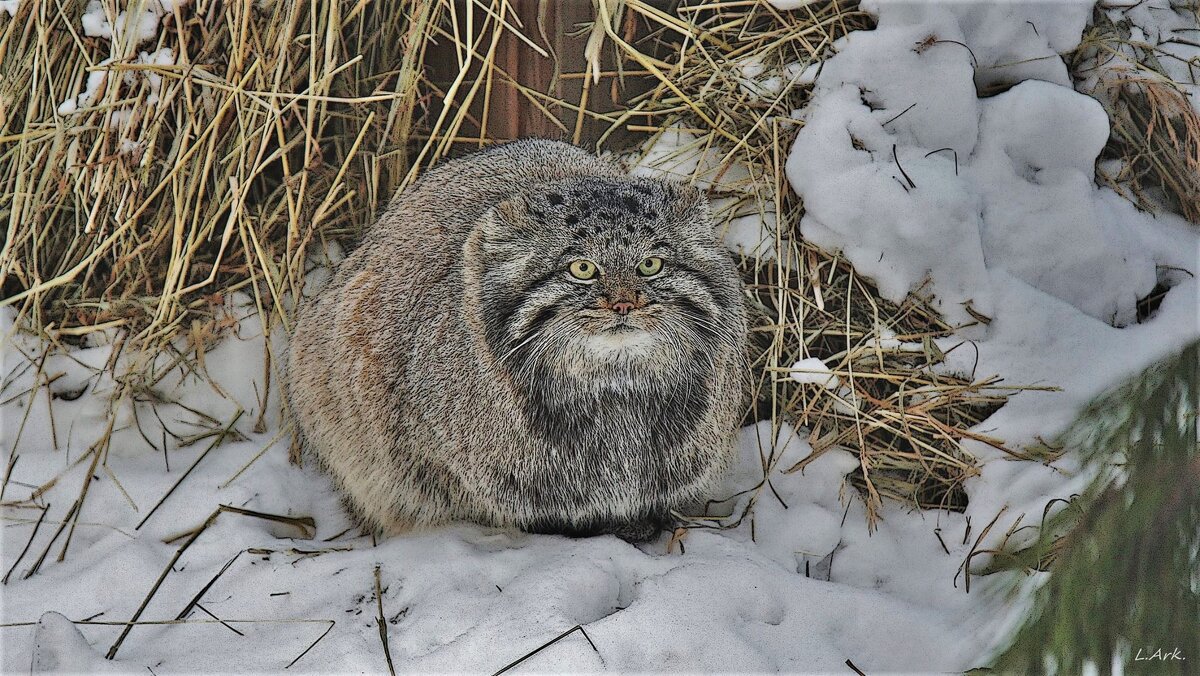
<point>512,114</point>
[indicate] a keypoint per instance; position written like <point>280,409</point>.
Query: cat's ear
<point>689,203</point>
<point>505,222</point>
<point>501,233</point>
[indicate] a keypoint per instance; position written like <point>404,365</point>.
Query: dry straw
<point>271,127</point>
<point>1155,127</point>
<point>216,171</point>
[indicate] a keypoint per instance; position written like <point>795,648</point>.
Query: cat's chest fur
<point>628,412</point>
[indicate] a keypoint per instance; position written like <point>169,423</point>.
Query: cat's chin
<point>620,342</point>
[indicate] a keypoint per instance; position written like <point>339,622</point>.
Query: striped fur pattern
<point>455,368</point>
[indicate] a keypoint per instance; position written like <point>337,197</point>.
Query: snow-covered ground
<point>992,198</point>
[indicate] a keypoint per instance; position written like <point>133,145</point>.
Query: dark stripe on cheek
<point>711,286</point>
<point>539,320</point>
<point>498,310</point>
<point>524,291</point>
<point>692,308</point>
<point>495,319</point>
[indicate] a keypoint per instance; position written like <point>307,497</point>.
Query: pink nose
<point>622,308</point>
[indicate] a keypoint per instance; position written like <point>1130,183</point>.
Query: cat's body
<point>454,369</point>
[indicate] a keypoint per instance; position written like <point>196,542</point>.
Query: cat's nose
<point>622,301</point>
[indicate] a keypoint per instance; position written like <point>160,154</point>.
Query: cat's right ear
<point>500,233</point>
<point>506,222</point>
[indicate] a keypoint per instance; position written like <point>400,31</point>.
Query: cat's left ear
<point>690,204</point>
<point>506,222</point>
<point>501,233</point>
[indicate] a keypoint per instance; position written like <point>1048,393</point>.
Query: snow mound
<point>59,648</point>
<point>916,179</point>
<point>990,204</point>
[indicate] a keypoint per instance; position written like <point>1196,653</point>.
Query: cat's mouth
<point>603,322</point>
<point>621,336</point>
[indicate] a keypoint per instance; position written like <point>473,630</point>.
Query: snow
<point>161,57</point>
<point>128,147</point>
<point>1170,29</point>
<point>140,24</point>
<point>136,24</point>
<point>1039,340</point>
<point>992,200</point>
<point>961,186</point>
<point>814,371</point>
<point>96,79</point>
<point>1016,41</point>
<point>791,4</point>
<point>10,6</point>
<point>757,79</point>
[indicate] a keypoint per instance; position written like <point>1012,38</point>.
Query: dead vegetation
<point>140,206</point>
<point>1155,140</point>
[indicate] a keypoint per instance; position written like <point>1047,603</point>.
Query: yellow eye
<point>582,269</point>
<point>650,266</point>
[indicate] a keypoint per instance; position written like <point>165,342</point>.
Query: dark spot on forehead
<point>554,198</point>
<point>630,203</point>
<point>572,219</point>
<point>651,214</point>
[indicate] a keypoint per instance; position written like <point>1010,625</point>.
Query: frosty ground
<point>1010,224</point>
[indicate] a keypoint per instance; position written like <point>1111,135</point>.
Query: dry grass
<point>279,126</point>
<point>1155,130</point>
<point>138,215</point>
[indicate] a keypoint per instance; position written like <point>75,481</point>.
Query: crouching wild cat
<point>527,338</point>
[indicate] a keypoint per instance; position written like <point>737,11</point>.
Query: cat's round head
<point>599,273</point>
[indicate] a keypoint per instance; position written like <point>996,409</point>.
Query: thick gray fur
<point>453,370</point>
